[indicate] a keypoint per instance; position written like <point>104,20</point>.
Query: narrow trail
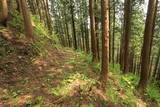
<point>63,78</point>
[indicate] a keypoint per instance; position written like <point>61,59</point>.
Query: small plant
<point>29,102</point>
<point>91,105</point>
<point>39,99</point>
<point>96,66</point>
<point>153,92</point>
<point>37,105</point>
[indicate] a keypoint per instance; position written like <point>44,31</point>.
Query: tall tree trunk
<point>93,31</point>
<point>146,44</point>
<point>27,20</point>
<point>32,7</point>
<point>158,74</point>
<point>114,18</point>
<point>110,37</point>
<point>73,26</point>
<point>45,3</point>
<point>19,9</point>
<point>151,66</point>
<point>11,5</point>
<point>39,9</point>
<point>121,56</point>
<point>135,65</point>
<point>127,30</point>
<point>83,40</point>
<point>105,39</point>
<point>3,18</point>
<point>87,37</point>
<point>96,29</point>
<point>156,64</point>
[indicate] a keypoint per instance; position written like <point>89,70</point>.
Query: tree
<point>19,9</point>
<point>157,62</point>
<point>48,18</point>
<point>113,38</point>
<point>126,35</point>
<point>73,24</point>
<point>93,30</point>
<point>39,9</point>
<point>145,58</point>
<point>27,20</point>
<point>11,5</point>
<point>4,16</point>
<point>105,39</point>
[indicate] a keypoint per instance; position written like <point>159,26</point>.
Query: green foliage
<point>83,59</point>
<point>16,21</point>
<point>114,68</point>
<point>113,94</point>
<point>16,93</point>
<point>37,105</point>
<point>42,39</point>
<point>91,105</point>
<point>122,89</point>
<point>6,93</point>
<point>96,66</point>
<point>129,81</point>
<point>153,92</point>
<point>29,102</point>
<point>39,99</point>
<point>70,82</point>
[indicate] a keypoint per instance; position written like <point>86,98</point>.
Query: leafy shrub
<point>42,39</point>
<point>153,92</point>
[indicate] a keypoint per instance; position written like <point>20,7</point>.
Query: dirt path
<point>63,78</point>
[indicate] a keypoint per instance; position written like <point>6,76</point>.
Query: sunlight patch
<point>70,83</point>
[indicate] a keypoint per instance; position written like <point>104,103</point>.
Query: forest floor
<point>62,79</point>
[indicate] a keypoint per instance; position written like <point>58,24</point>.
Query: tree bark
<point>156,64</point>
<point>114,18</point>
<point>87,37</point>
<point>3,18</point>
<point>105,39</point>
<point>27,20</point>
<point>19,9</point>
<point>73,26</point>
<point>32,7</point>
<point>11,5</point>
<point>127,30</point>
<point>146,44</point>
<point>93,31</point>
<point>45,3</point>
<point>39,9</point>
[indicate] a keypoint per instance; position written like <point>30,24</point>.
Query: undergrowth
<point>70,82</point>
<point>42,40</point>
